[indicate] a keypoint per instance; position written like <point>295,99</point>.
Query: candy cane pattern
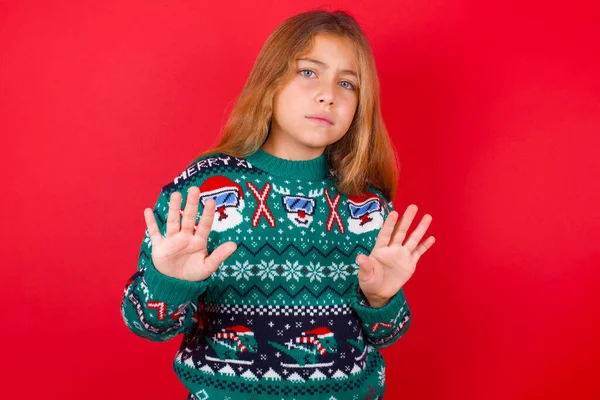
<point>262,207</point>
<point>160,306</point>
<point>177,313</point>
<point>233,337</point>
<point>314,341</point>
<point>334,215</point>
<point>376,325</point>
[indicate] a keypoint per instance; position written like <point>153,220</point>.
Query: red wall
<point>494,110</point>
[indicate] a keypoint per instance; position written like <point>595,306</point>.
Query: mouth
<point>320,120</point>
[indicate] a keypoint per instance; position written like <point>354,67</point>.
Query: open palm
<point>391,263</point>
<point>183,254</point>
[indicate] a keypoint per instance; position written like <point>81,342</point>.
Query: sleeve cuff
<point>389,313</point>
<point>172,290</point>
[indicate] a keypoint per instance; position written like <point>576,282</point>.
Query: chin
<point>317,139</point>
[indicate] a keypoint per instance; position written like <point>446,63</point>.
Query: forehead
<point>336,51</point>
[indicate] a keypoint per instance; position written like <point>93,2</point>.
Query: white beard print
<point>229,218</point>
<point>354,224</point>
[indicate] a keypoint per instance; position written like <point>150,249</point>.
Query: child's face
<point>326,90</point>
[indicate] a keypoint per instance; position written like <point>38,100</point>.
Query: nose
<point>326,95</point>
<point>326,99</point>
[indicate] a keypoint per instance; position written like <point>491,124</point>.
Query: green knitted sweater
<point>283,316</point>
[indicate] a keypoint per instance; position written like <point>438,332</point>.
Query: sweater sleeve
<point>385,325</point>
<point>155,306</point>
<point>382,326</point>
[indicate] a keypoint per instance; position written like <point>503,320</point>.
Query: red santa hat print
<point>240,330</point>
<point>320,332</point>
<point>219,183</point>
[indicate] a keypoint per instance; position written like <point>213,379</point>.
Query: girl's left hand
<point>391,264</point>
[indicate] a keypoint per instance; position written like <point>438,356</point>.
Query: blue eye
<point>352,86</point>
<point>308,76</point>
<point>306,70</point>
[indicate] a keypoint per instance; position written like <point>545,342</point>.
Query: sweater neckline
<point>313,169</point>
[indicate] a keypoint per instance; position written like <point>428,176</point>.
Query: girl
<point>289,279</point>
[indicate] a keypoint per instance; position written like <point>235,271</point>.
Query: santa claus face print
<point>366,214</point>
<point>229,201</point>
<point>229,208</point>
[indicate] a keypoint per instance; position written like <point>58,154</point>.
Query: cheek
<point>287,98</point>
<point>281,106</point>
<point>349,109</point>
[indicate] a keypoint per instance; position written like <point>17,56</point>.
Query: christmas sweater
<point>282,317</point>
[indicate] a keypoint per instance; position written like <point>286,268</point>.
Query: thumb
<point>366,268</point>
<point>219,255</point>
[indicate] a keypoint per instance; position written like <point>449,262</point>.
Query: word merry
<point>211,162</point>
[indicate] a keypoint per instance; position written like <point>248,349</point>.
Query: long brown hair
<point>365,155</point>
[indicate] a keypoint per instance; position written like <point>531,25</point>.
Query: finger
<point>190,213</point>
<point>173,216</point>
<point>153,231</point>
<point>401,229</point>
<point>383,238</point>
<point>418,233</point>
<point>219,255</point>
<point>366,268</point>
<point>423,247</point>
<point>206,221</point>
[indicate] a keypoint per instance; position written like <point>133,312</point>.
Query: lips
<point>323,117</point>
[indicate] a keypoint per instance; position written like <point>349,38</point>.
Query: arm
<point>384,325</point>
<point>155,306</point>
<point>383,322</point>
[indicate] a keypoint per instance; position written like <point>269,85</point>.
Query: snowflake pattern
<point>292,271</point>
<point>267,270</point>
<point>314,271</point>
<point>242,271</point>
<point>338,271</point>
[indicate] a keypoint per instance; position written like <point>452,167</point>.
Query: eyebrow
<point>346,71</point>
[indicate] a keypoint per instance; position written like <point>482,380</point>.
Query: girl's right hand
<point>183,254</point>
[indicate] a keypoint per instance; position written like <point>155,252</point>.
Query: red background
<point>494,110</point>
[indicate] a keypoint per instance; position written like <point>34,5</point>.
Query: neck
<point>290,151</point>
<point>310,169</point>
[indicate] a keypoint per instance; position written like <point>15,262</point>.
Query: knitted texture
<point>283,316</point>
